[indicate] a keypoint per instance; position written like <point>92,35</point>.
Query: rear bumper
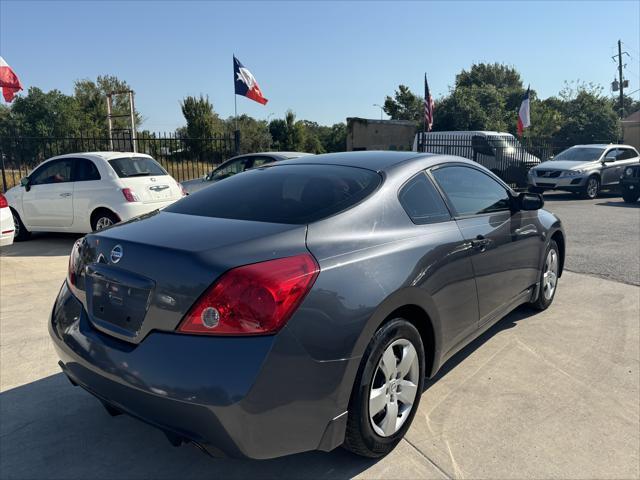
<point>258,397</point>
<point>127,211</point>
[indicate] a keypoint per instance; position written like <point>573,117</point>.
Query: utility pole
<point>621,79</point>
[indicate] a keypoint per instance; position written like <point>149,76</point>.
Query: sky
<point>326,61</point>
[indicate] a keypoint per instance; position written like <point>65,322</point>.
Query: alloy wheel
<point>550,275</point>
<point>16,226</point>
<point>394,387</point>
<point>592,187</point>
<point>103,222</point>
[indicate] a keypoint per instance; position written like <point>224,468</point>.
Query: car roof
<point>370,159</point>
<point>101,155</point>
<point>602,145</point>
<point>279,155</point>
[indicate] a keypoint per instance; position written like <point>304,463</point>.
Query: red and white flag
<point>9,81</point>
<point>524,120</point>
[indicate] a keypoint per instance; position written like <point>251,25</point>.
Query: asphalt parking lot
<point>541,395</point>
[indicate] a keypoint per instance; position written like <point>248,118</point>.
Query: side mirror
<point>25,183</point>
<point>530,201</point>
<point>205,177</point>
<point>609,160</point>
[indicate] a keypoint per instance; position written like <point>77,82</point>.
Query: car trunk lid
<point>146,274</point>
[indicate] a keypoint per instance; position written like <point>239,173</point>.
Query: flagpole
<point>424,117</point>
<point>236,134</point>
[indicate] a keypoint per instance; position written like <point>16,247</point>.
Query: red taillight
<point>254,299</point>
<point>130,195</point>
<point>3,201</point>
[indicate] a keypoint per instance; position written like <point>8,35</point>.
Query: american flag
<point>428,106</point>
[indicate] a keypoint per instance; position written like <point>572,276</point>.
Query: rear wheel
<point>592,188</point>
<point>387,391</point>
<point>20,232</point>
<point>630,196</point>
<point>103,219</point>
<point>548,278</point>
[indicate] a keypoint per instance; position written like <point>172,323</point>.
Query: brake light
<point>3,201</point>
<point>254,299</point>
<point>130,195</point>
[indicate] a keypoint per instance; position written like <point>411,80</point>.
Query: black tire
<point>630,196</point>
<point>101,217</point>
<point>360,437</point>
<point>542,302</point>
<point>20,231</point>
<point>588,191</point>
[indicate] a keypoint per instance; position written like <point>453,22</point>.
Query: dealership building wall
<point>368,134</point>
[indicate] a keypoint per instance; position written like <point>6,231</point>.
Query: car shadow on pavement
<point>50,429</point>
<point>620,203</point>
<point>42,245</point>
<point>510,321</point>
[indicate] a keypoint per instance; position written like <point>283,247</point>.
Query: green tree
<point>203,123</point>
<point>289,134</point>
<point>254,134</point>
<point>404,105</point>
<point>92,100</point>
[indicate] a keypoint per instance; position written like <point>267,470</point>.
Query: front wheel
<point>630,196</point>
<point>592,188</point>
<point>548,278</point>
<point>387,390</point>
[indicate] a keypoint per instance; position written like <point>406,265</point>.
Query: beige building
<point>367,134</point>
<point>631,129</point>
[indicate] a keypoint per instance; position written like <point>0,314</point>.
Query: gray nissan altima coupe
<point>300,306</point>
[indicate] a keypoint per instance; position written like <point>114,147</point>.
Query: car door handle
<point>481,243</point>
<point>65,194</point>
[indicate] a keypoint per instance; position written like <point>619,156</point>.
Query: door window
<point>259,161</point>
<point>470,191</point>
<point>56,171</point>
<point>236,166</point>
<point>85,170</point>
<point>612,154</point>
<point>626,154</point>
<point>422,202</point>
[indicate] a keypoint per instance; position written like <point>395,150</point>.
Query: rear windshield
<point>293,194</point>
<point>127,167</point>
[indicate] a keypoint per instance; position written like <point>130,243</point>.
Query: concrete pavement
<point>541,395</point>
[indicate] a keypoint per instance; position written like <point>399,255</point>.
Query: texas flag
<point>523,114</point>
<point>9,81</point>
<point>246,84</point>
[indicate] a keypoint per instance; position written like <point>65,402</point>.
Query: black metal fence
<point>183,158</point>
<point>503,154</point>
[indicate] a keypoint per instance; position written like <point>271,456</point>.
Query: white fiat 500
<point>83,192</point>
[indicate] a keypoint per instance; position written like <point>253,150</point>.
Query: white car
<point>6,223</point>
<point>83,192</point>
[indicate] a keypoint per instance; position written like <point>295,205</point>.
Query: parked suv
<point>583,169</point>
<point>630,183</point>
<point>83,192</point>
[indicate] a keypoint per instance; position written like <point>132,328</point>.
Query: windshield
<point>586,154</point>
<point>503,142</point>
<point>293,194</point>
<point>127,167</point>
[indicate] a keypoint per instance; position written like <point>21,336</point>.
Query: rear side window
<point>470,191</point>
<point>626,154</point>
<point>85,170</point>
<point>292,194</point>
<point>422,202</point>
<point>128,167</point>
